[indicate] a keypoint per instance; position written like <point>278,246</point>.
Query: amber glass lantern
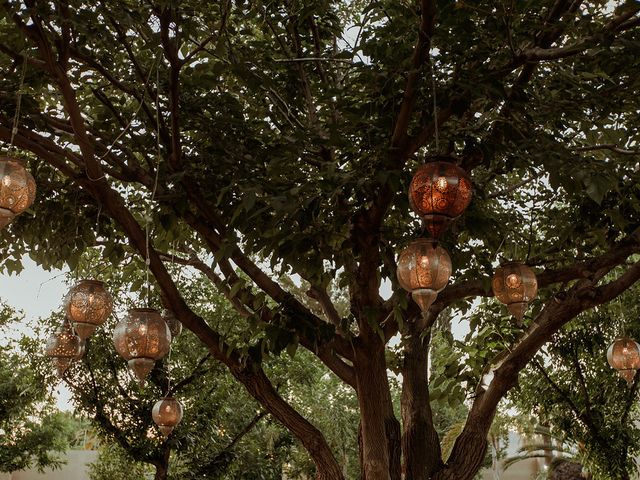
<point>515,285</point>
<point>17,189</point>
<point>88,305</point>
<point>167,413</point>
<point>63,347</point>
<point>624,356</point>
<point>424,269</point>
<point>439,192</point>
<point>141,339</point>
<point>175,327</point>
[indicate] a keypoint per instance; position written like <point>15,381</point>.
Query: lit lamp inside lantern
<point>17,189</point>
<point>88,305</point>
<point>142,338</point>
<point>624,356</point>
<point>167,413</point>
<point>439,192</point>
<point>63,347</point>
<point>515,285</point>
<point>424,269</point>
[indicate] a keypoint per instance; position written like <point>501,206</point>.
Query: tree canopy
<point>252,139</point>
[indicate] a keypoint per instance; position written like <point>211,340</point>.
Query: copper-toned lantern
<point>167,413</point>
<point>64,346</point>
<point>175,327</point>
<point>439,192</point>
<point>17,189</point>
<point>88,305</point>
<point>515,285</point>
<point>624,356</point>
<point>142,338</point>
<point>424,269</point>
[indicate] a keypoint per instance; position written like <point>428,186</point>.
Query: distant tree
<point>573,389</point>
<point>32,433</point>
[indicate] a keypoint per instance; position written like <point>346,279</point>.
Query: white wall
<point>76,468</point>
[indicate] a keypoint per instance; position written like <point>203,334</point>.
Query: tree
<point>286,134</point>
<point>581,397</point>
<point>31,432</point>
<point>223,432</point>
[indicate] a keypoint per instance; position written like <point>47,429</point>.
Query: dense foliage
<point>252,139</point>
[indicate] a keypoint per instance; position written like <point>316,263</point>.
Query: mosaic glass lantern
<point>439,192</point>
<point>167,413</point>
<point>63,347</point>
<point>175,327</point>
<point>424,269</point>
<point>17,189</point>
<point>624,356</point>
<point>515,285</point>
<point>88,305</point>
<point>142,338</point>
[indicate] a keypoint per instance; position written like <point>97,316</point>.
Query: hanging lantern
<point>624,356</point>
<point>17,189</point>
<point>439,192</point>
<point>175,327</point>
<point>424,269</point>
<point>515,285</point>
<point>88,305</point>
<point>142,338</point>
<point>64,346</point>
<point>167,413</point>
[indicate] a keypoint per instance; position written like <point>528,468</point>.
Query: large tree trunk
<point>380,449</point>
<point>162,463</point>
<point>420,442</point>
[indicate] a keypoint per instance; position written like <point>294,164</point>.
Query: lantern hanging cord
<point>435,103</point>
<point>16,117</point>
<point>155,185</point>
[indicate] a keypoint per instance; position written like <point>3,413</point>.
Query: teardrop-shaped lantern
<point>142,338</point>
<point>624,356</point>
<point>167,413</point>
<point>515,285</point>
<point>439,192</point>
<point>17,189</point>
<point>88,305</point>
<point>424,269</point>
<point>175,327</point>
<point>63,347</point>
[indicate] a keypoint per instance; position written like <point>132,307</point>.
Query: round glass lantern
<point>175,327</point>
<point>17,189</point>
<point>142,338</point>
<point>88,305</point>
<point>63,347</point>
<point>624,356</point>
<point>424,269</point>
<point>515,285</point>
<point>439,192</point>
<point>167,413</point>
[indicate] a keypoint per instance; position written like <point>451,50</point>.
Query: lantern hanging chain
<point>16,116</point>
<point>155,185</point>
<point>435,102</point>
